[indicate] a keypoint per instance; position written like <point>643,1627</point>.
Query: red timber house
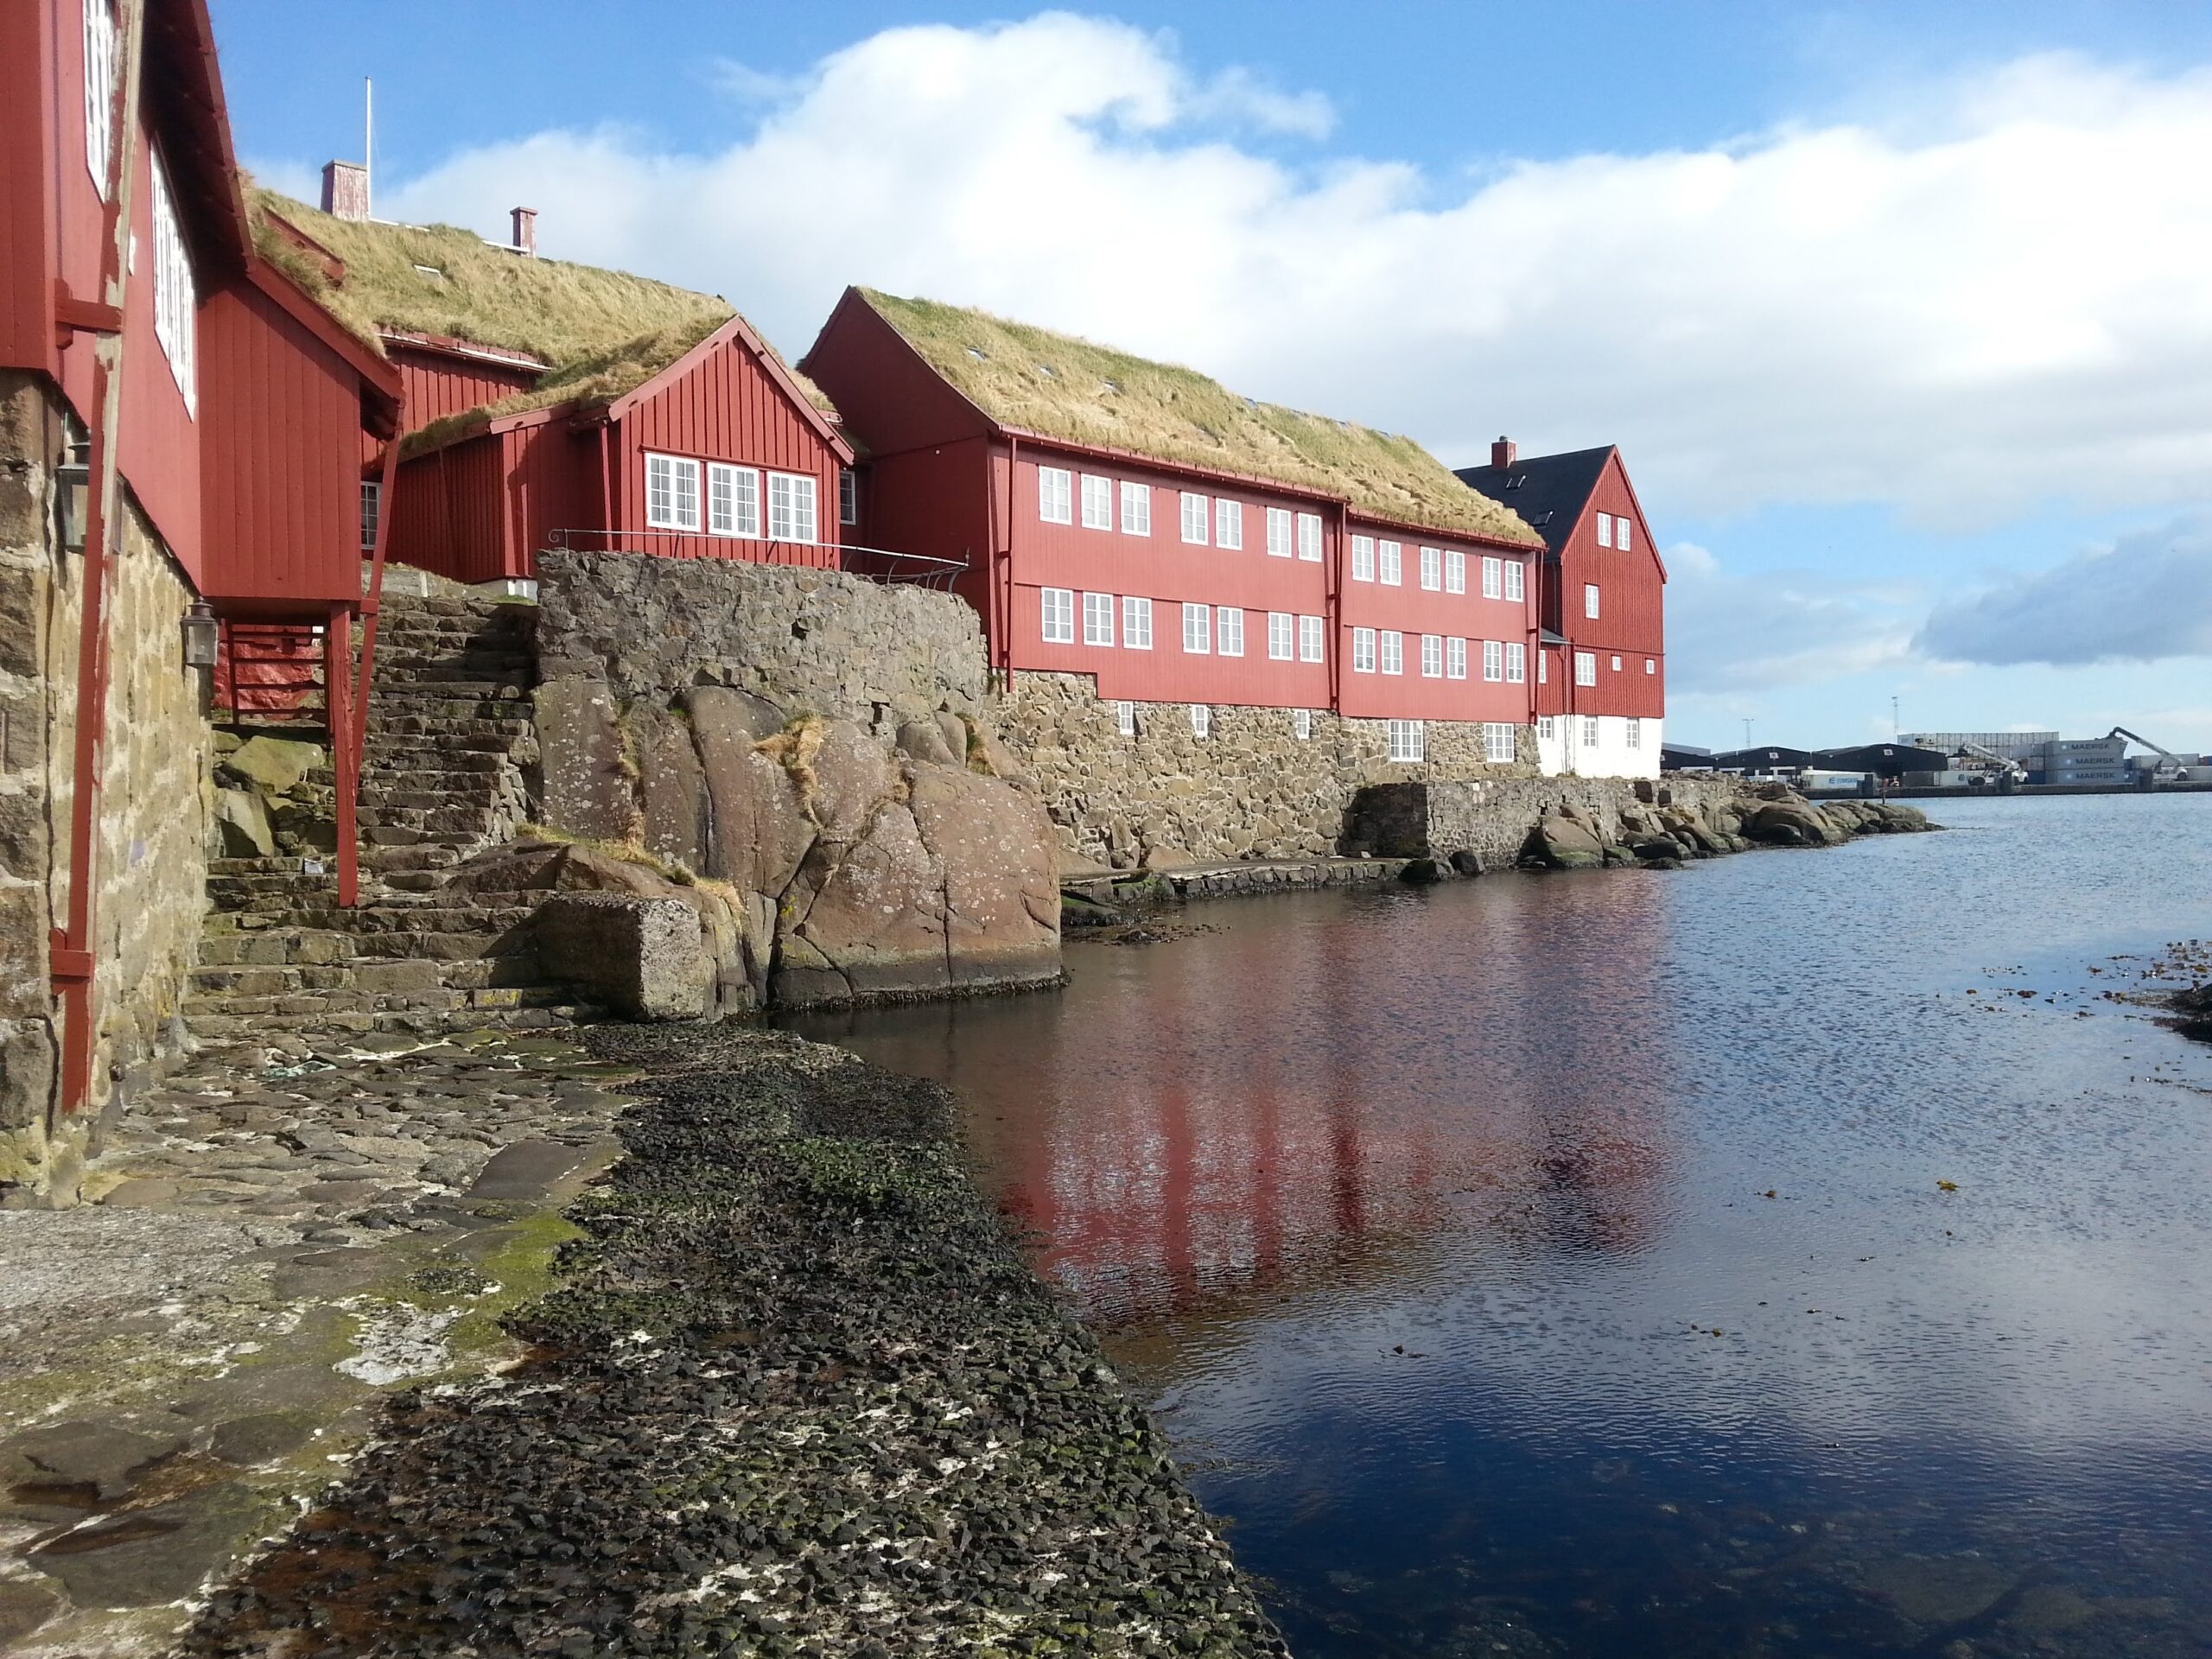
<point>554,405</point>
<point>189,430</point>
<point>1602,685</point>
<point>1137,523</point>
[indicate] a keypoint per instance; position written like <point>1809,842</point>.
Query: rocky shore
<point>796,1393</point>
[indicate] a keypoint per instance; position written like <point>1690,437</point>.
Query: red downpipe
<point>349,776</point>
<point>71,947</point>
<point>1002,579</point>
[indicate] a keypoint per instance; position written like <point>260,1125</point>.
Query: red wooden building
<point>196,383</point>
<point>1136,522</point>
<point>1602,689</point>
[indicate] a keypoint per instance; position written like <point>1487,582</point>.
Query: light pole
<point>1747,731</point>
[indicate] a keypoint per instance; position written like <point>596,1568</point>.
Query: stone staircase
<point>449,735</point>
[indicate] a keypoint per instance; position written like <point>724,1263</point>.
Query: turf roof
<point>1064,387</point>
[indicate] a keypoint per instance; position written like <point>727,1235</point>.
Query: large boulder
<point>760,827</point>
<point>1794,822</point>
<point>865,920</point>
<point>1002,876</point>
<point>644,958</point>
<point>588,777</point>
<point>850,774</point>
<point>673,787</point>
<point>1561,842</point>
<point>275,765</point>
<point>242,818</point>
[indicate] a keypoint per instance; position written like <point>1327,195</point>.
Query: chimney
<point>1503,451</point>
<point>346,189</point>
<point>525,239</point>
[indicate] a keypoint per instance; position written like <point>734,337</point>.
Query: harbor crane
<point>2167,769</point>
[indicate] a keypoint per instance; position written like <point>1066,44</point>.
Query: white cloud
<point>2004,302</point>
<point>2146,597</point>
<point>1730,635</point>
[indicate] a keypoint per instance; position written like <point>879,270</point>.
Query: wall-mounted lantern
<point>200,636</point>
<point>72,489</point>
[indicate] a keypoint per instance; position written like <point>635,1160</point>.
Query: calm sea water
<point>1559,1265</point>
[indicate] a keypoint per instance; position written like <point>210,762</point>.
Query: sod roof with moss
<point>1063,387</point>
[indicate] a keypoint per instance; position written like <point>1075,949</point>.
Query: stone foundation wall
<point>153,830</point>
<point>1251,788</point>
<point>1492,819</point>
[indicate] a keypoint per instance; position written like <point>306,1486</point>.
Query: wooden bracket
<point>72,315</point>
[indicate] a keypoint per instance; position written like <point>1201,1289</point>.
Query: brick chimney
<point>1503,451</point>
<point>346,189</point>
<point>526,221</point>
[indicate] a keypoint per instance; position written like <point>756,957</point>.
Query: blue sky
<point>1898,311</point>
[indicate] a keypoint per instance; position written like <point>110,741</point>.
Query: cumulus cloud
<point>2146,597</point>
<point>1729,634</point>
<point>2003,302</point>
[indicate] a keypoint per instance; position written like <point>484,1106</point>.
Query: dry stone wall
<point>1251,788</point>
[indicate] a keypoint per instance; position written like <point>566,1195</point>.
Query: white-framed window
<point>1136,623</point>
<point>790,508</point>
<point>100,36</point>
<point>1605,529</point>
<point>1408,741</point>
<point>1547,727</point>
<point>1099,619</point>
<point>1282,636</point>
<point>1515,580</point>
<point>671,492</point>
<point>1310,647</point>
<point>1363,650</point>
<point>1493,659</point>
<point>1097,502</point>
<point>1517,663</point>
<point>1455,571</point>
<point>1309,538</point>
<point>1590,599</point>
<point>1650,666</point>
<point>1432,656</point>
<point>1363,558</point>
<point>1055,486</point>
<point>1585,668</point>
<point>1136,508</point>
<point>1301,723</point>
<point>1498,744</point>
<point>1201,719</point>
<point>1493,577</point>
<point>1589,731</point>
<point>1432,569</point>
<point>1278,532</point>
<point>849,496</point>
<point>1616,665</point>
<point>1394,650</point>
<point>1543,668</point>
<point>1198,629</point>
<point>1632,730</point>
<point>1386,563</point>
<point>1197,514</point>
<point>1228,523</point>
<point>1125,718</point>
<point>176,301</point>
<point>371,505</point>
<point>1621,532</point>
<point>1455,659</point>
<point>1058,620</point>
<point>734,500</point>
<point>1229,630</point>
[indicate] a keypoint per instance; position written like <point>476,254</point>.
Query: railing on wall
<point>875,563</point>
<point>270,670</point>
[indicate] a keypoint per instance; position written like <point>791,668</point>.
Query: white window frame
<point>1493,661</point>
<point>1432,569</point>
<point>1055,489</point>
<point>1590,601</point>
<point>1097,502</point>
<point>667,511</point>
<point>1621,536</point>
<point>1279,532</point>
<point>102,37</point>
<point>1201,719</point>
<point>1282,637</point>
<point>1392,650</point>
<point>1408,741</point>
<point>1605,529</point>
<point>1585,668</point>
<point>1301,724</point>
<point>1589,731</point>
<point>1198,629</point>
<point>1500,747</point>
<point>1543,667</point>
<point>1617,663</point>
<point>1517,663</point>
<point>1650,665</point>
<point>1389,567</point>
<point>1493,577</point>
<point>1136,508</point>
<point>1197,514</point>
<point>1548,727</point>
<point>1363,558</point>
<point>1455,659</point>
<point>1125,718</point>
<point>1516,586</point>
<point>1228,523</point>
<point>1309,538</point>
<point>371,509</point>
<point>849,496</point>
<point>731,511</point>
<point>1136,623</point>
<point>1632,732</point>
<point>1455,571</point>
<point>1432,656</point>
<point>1099,619</point>
<point>1056,615</point>
<point>176,297</point>
<point>1229,631</point>
<point>1363,650</point>
<point>794,508</point>
<point>1312,639</point>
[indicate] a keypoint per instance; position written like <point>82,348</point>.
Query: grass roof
<point>1064,387</point>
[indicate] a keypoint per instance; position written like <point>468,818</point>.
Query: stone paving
<point>281,1233</point>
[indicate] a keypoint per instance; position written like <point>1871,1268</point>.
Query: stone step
<point>430,856</point>
<point>449,690</point>
<point>274,947</point>
<point>373,975</point>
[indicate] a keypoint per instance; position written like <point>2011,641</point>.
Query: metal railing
<point>875,563</point>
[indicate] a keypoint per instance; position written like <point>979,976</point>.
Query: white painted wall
<point>1610,757</point>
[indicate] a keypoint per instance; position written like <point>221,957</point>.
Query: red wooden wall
<point>1631,620</point>
<point>440,384</point>
<point>1413,611</point>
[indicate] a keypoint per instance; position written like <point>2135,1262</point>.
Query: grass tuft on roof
<point>1064,387</point>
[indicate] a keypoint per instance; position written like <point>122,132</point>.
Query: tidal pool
<point>1564,1266</point>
